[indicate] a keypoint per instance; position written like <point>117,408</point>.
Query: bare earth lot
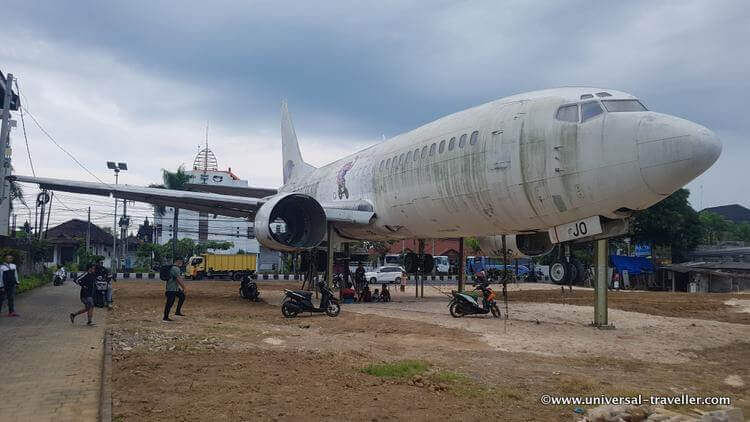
<point>230,359</point>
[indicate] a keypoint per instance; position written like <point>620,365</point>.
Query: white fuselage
<point>525,170</point>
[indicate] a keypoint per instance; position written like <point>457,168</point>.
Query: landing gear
<point>413,263</point>
<point>559,272</point>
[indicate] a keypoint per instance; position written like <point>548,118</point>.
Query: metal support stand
<point>421,270</point>
<point>461,263</point>
<point>600,288</point>
<point>329,266</point>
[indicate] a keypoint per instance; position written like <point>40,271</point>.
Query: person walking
<point>175,288</point>
<point>10,280</point>
<point>87,282</point>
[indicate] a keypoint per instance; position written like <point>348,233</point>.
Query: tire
<point>495,310</point>
<point>559,272</point>
<point>287,310</point>
<point>455,309</point>
<point>428,263</point>
<point>333,309</point>
<point>242,293</point>
<point>373,280</point>
<point>237,276</point>
<point>198,276</point>
<point>411,263</point>
<point>397,280</point>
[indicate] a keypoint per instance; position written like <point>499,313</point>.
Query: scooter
<point>296,301</point>
<point>249,289</point>
<point>463,304</point>
<point>59,277</point>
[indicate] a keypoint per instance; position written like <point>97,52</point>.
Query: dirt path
<point>230,359</point>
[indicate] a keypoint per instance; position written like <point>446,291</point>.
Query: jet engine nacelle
<point>290,222</point>
<point>518,246</point>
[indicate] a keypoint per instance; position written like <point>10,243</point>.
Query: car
<point>385,274</point>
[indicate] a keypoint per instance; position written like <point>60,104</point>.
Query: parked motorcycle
<point>59,277</point>
<point>249,289</point>
<point>463,304</point>
<point>296,301</point>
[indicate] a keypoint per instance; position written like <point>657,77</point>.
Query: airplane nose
<point>674,151</point>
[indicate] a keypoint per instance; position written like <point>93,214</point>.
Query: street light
<point>117,167</point>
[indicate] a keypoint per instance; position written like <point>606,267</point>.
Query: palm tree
<point>172,180</point>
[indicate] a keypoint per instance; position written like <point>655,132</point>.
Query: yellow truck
<point>221,266</point>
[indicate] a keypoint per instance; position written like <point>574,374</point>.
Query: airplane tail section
<point>294,165</point>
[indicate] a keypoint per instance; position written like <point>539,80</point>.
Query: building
<point>734,212</point>
<point>706,277</point>
<point>67,237</point>
<point>202,227</point>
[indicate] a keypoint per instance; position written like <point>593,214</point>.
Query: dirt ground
<point>230,359</point>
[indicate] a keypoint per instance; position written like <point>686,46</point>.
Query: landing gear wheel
<point>580,271</point>
<point>495,310</point>
<point>411,263</point>
<point>428,263</point>
<point>559,272</point>
<point>288,310</point>
<point>333,309</point>
<point>456,311</point>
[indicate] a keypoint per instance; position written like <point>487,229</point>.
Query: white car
<point>385,274</point>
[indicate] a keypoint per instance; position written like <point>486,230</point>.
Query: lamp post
<point>117,167</point>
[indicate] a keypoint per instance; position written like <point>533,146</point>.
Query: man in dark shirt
<point>175,288</point>
<point>87,294</point>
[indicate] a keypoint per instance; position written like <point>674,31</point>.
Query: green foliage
<point>472,244</point>
<point>211,245</point>
<point>85,257</point>
<point>151,255</point>
<point>397,369</point>
<point>718,229</point>
<point>671,222</point>
<point>171,180</point>
<point>33,281</point>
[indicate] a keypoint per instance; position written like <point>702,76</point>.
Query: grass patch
<point>449,376</point>
<point>397,369</point>
<point>33,281</point>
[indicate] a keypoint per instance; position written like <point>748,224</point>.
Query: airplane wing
<point>212,203</point>
<point>246,191</point>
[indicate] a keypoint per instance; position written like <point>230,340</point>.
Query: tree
<point>172,180</point>
<point>472,244</point>
<point>671,222</point>
<point>715,227</point>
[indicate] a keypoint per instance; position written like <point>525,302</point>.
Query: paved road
<point>50,370</point>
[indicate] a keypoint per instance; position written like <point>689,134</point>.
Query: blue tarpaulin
<point>633,264</point>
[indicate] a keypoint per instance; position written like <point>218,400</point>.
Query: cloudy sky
<point>137,81</point>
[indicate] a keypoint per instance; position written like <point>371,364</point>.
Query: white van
<point>392,260</point>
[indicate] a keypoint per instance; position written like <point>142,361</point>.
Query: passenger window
<point>452,144</point>
<point>474,137</point>
<point>441,148</point>
<point>416,154</point>
<point>408,157</point>
<point>590,110</point>
<point>388,164</point>
<point>424,151</point>
<point>568,113</point>
<point>462,141</point>
<point>432,149</point>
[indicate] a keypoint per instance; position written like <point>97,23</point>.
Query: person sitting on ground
<point>365,295</point>
<point>385,294</point>
<point>175,288</point>
<point>348,292</point>
<point>86,282</point>
<point>376,296</point>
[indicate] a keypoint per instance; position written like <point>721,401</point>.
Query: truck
<point>233,266</point>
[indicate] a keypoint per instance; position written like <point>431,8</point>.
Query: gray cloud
<point>140,79</point>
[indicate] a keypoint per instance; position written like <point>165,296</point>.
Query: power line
<point>63,149</point>
<point>26,138</point>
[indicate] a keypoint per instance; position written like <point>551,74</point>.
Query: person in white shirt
<point>9,277</point>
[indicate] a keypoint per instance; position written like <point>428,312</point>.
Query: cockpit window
<point>590,110</point>
<point>603,94</point>
<point>585,96</point>
<point>614,106</point>
<point>568,113</point>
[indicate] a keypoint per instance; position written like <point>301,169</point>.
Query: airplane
<point>522,174</point>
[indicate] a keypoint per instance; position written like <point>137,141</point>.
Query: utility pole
<point>88,232</point>
<point>124,230</point>
<point>10,101</point>
<point>49,213</point>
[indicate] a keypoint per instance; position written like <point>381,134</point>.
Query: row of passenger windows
<point>426,151</point>
<point>591,109</point>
